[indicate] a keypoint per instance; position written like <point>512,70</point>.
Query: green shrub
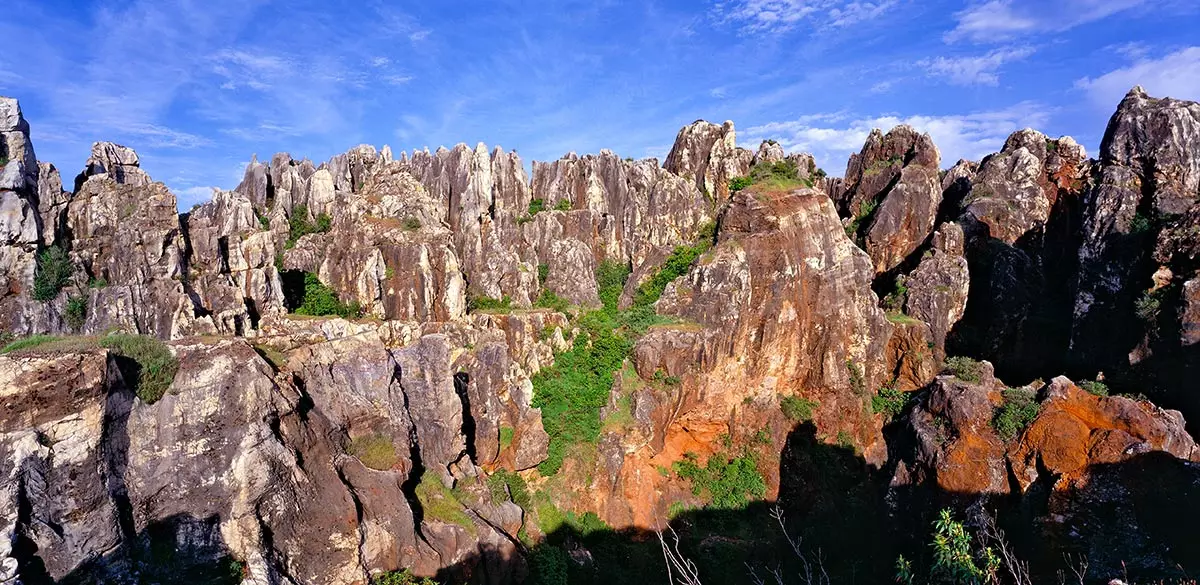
<point>677,264</point>
<point>149,367</point>
<point>953,559</point>
<point>845,441</point>
<point>76,312</point>
<point>401,577</point>
<point>412,224</point>
<point>97,283</point>
<point>894,301</point>
<point>504,485</point>
<point>889,402</point>
<point>548,565</point>
<point>586,524</point>
<point>1139,224</point>
<point>1147,306</point>
<point>861,215</point>
<point>1095,387</point>
<point>506,437</point>
<point>299,225</point>
<point>375,451</point>
<point>263,222</point>
<point>739,183</point>
<point>563,205</point>
<point>482,303</point>
<point>29,342</point>
<point>549,300</point>
<point>1019,410</point>
<point>965,368</point>
<point>536,206</point>
<point>796,408</point>
<point>543,273</point>
<point>320,300</point>
<point>53,272</point>
<point>727,483</point>
<point>858,383</point>
<point>439,503</point>
<point>572,391</point>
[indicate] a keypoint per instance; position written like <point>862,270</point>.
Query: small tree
<point>54,271</point>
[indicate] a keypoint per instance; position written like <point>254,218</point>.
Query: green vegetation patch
<point>299,225</point>
<point>1019,410</point>
<point>781,175</point>
<point>861,216</point>
<point>727,483</point>
<point>320,300</point>
<point>549,300</point>
<point>439,503</point>
<point>376,451</point>
<point>889,402</point>
<point>148,366</point>
<point>1095,387</point>
<point>965,369</point>
<point>53,272</point>
<point>484,303</point>
<point>29,342</point>
<point>506,437</point>
<point>573,390</point>
<point>796,408</point>
<point>401,577</point>
<point>76,312</point>
<point>504,485</point>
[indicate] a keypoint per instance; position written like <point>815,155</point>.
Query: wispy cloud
<point>778,16</point>
<point>1176,75</point>
<point>1000,20</point>
<point>975,70</point>
<point>970,136</point>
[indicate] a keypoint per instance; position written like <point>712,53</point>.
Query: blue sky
<point>197,86</point>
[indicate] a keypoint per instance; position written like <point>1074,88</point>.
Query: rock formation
<point>365,346</point>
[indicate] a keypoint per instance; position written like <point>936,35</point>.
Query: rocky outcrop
<point>938,288</point>
<point>332,449</point>
<point>119,163</point>
<point>1144,201</point>
<point>891,195</point>
<point>1081,452</point>
<point>1021,217</point>
<point>708,154</point>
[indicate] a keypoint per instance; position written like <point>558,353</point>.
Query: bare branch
<point>991,535</point>
<point>680,570</point>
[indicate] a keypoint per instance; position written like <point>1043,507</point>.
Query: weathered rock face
<point>128,236</point>
<point>892,193</point>
<point>1135,218</point>
<point>708,153</point>
<point>938,288</point>
<point>956,445</point>
<point>760,301</point>
<point>1021,216</point>
<point>1072,454</point>
<point>333,449</point>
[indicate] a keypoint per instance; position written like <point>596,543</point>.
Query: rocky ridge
<point>464,278</point>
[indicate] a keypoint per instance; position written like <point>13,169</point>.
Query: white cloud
<point>856,12</point>
<point>970,136</point>
<point>1175,75</point>
<point>380,62</point>
<point>778,16</point>
<point>718,92</point>
<point>193,196</point>
<point>881,87</point>
<point>978,70</point>
<point>998,20</point>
